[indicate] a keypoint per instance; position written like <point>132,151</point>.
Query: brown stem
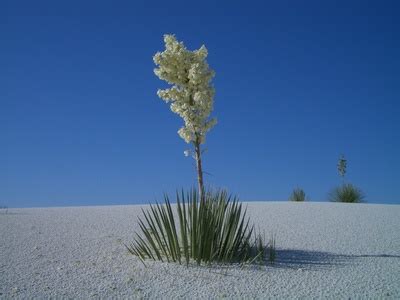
<point>199,169</point>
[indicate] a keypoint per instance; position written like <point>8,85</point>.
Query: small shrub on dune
<point>4,209</point>
<point>347,193</point>
<point>214,229</point>
<point>298,195</point>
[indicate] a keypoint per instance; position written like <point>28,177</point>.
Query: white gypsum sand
<point>324,250</point>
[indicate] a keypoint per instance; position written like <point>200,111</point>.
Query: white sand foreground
<point>325,250</point>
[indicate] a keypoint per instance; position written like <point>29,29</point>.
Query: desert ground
<point>324,250</point>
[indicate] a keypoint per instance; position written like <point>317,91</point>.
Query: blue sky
<point>297,84</point>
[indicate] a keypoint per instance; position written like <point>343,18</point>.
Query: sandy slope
<point>325,250</point>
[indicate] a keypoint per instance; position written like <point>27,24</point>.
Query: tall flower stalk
<point>191,94</point>
<point>342,165</point>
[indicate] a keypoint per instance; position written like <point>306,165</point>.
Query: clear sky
<point>297,84</point>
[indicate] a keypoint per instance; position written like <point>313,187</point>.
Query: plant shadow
<point>317,260</point>
<point>9,213</point>
<point>309,260</point>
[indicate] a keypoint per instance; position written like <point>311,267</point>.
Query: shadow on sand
<point>317,260</point>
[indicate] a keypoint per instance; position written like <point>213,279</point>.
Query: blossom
<point>191,95</point>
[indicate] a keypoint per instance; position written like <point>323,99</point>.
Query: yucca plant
<point>347,193</point>
<point>298,195</point>
<point>212,229</point>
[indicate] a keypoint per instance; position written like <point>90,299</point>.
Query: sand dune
<point>325,250</point>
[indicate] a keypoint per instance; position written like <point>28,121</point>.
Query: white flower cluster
<point>191,94</point>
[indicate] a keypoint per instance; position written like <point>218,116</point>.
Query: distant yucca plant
<point>346,193</point>
<point>213,229</point>
<point>5,208</point>
<point>298,195</point>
